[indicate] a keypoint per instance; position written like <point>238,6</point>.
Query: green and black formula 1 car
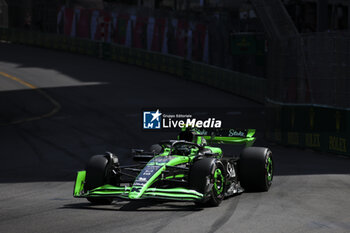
<point>186,169</point>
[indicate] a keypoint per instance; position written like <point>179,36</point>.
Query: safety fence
<point>237,83</point>
<point>317,127</point>
<point>317,90</point>
<point>207,38</point>
<point>321,78</point>
<point>312,126</point>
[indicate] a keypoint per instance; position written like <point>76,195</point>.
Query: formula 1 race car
<point>186,169</point>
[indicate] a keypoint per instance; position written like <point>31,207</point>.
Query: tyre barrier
<point>237,83</point>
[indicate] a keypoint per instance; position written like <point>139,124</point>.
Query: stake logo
<point>152,120</point>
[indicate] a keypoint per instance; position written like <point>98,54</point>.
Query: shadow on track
<point>140,205</point>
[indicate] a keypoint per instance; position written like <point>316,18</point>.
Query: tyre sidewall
<point>200,170</point>
<point>216,198</point>
<point>253,169</point>
<point>96,177</point>
<point>95,172</point>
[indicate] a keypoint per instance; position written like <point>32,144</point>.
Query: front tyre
<point>218,193</point>
<point>256,169</point>
<point>96,177</point>
<point>207,176</point>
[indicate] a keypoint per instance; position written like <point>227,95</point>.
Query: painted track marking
<point>56,105</point>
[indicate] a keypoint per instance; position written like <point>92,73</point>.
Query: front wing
<point>181,194</point>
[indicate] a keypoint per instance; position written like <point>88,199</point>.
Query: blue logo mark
<point>152,120</point>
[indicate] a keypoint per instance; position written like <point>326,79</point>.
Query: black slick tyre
<point>207,176</point>
<point>95,177</point>
<point>256,169</point>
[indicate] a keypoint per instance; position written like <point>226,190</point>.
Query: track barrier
<point>317,127</point>
<point>237,83</point>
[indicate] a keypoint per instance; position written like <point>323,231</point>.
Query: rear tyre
<point>256,169</point>
<point>96,177</point>
<point>207,176</point>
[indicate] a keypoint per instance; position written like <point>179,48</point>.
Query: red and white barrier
<point>159,35</point>
<point>181,37</point>
<point>83,23</point>
<point>199,34</point>
<point>206,48</point>
<point>189,40</point>
<point>94,25</point>
<point>121,28</point>
<point>104,28</point>
<point>140,33</point>
<point>68,21</point>
<point>60,20</point>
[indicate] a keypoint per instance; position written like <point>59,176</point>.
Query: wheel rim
<point>218,181</point>
<point>269,169</point>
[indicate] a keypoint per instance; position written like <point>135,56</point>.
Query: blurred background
<point>301,46</point>
<point>291,55</point>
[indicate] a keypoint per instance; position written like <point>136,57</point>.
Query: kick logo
<point>152,120</point>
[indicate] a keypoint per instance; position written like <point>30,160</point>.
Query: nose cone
<point>135,193</point>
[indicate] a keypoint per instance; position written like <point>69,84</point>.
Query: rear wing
<point>229,136</point>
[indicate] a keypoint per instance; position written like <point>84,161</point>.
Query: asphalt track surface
<point>87,106</point>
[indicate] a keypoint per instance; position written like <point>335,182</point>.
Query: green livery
<point>187,169</point>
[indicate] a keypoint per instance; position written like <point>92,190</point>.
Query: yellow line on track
<point>56,105</point>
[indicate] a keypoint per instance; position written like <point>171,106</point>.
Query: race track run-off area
<point>58,109</point>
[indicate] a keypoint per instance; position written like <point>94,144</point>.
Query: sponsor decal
<point>136,189</point>
<point>137,183</point>
<point>223,132</point>
<point>151,168</point>
<point>312,140</point>
<point>337,144</point>
<point>234,133</point>
<point>145,175</point>
<point>161,160</point>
